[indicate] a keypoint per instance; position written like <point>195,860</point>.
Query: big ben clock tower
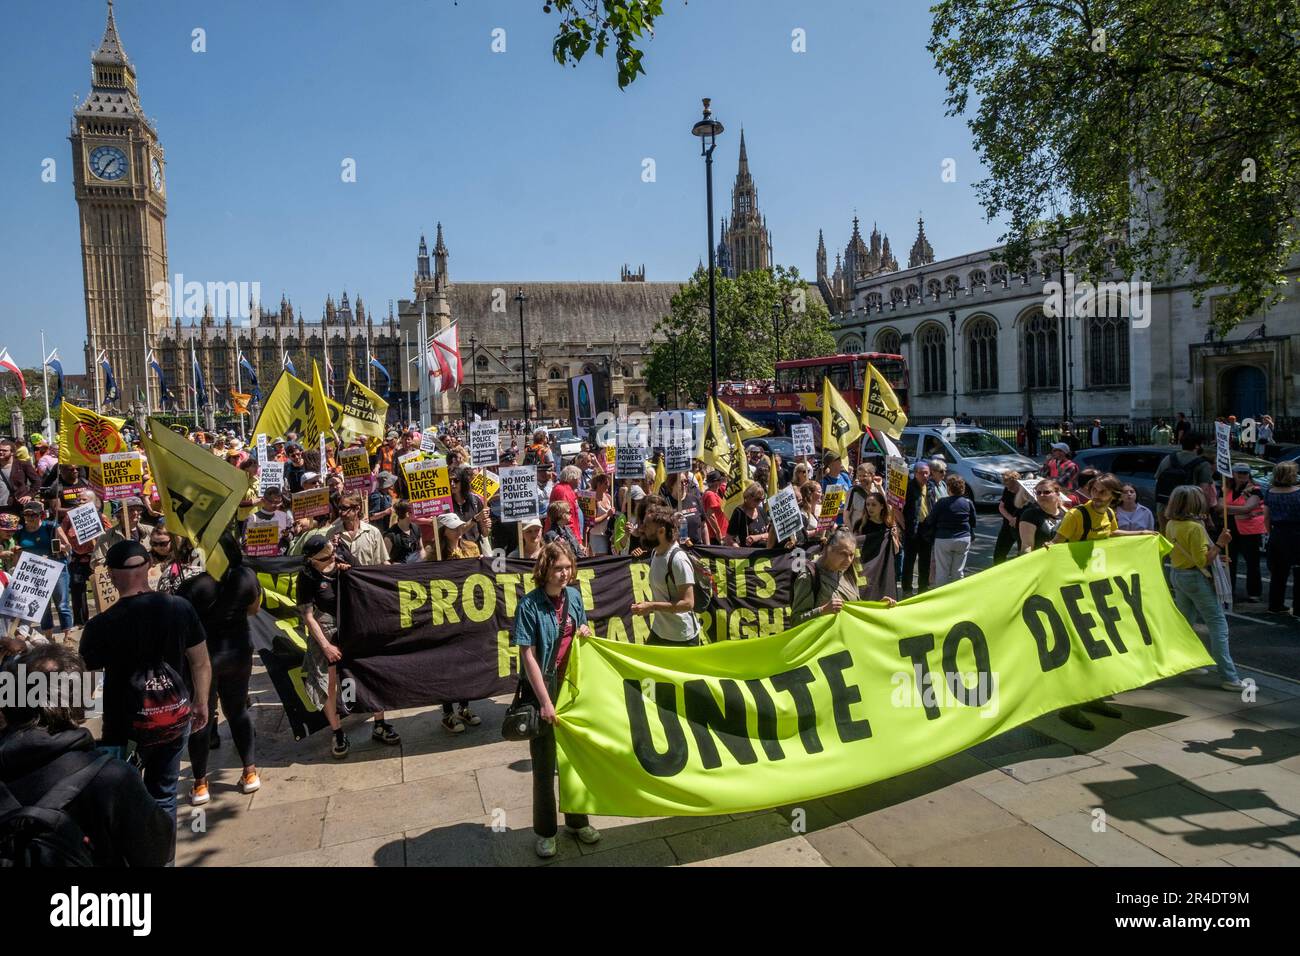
<point>121,189</point>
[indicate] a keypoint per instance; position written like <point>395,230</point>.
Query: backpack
<point>45,834</point>
<point>1175,474</point>
<point>1086,517</point>
<point>162,708</point>
<point>705,587</point>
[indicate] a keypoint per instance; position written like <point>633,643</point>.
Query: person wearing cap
<point>141,631</point>
<point>386,458</point>
<point>9,551</point>
<point>277,449</point>
<point>545,484</point>
<point>835,478</point>
<point>140,529</point>
<point>454,545</point>
<point>47,540</point>
<point>532,535</point>
<point>380,502</point>
<point>1245,503</point>
<point>1060,467</point>
<point>44,459</point>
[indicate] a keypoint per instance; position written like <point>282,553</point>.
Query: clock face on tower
<point>108,162</point>
<point>155,173</point>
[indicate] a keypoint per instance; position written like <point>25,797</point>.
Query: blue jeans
<point>63,595</point>
<point>1195,598</point>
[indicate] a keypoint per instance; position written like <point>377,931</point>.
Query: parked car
<point>782,446</point>
<point>1136,465</point>
<point>979,456</point>
<point>565,442</point>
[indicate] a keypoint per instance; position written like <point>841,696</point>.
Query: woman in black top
<point>1038,521</point>
<point>684,499</point>
<point>1007,507</point>
<point>748,525</point>
<point>880,543</point>
<point>403,538</point>
<point>317,605</point>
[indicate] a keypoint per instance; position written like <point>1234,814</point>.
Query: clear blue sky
<point>534,170</point>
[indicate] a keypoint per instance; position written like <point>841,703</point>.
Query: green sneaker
<point>546,847</point>
<point>587,834</point>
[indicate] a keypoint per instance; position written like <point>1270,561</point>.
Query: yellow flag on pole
<point>239,402</point>
<point>732,420</point>
<point>737,477</point>
<point>715,450</point>
<point>320,403</point>
<point>363,412</point>
<point>881,409</point>
<point>200,493</point>
<point>840,427</point>
<point>773,479</point>
<point>291,407</point>
<point>84,436</point>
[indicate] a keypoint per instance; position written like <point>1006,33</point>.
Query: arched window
<point>978,279</point>
<point>889,342</point>
<point>481,361</point>
<point>999,273</point>
<point>502,399</point>
<point>553,374</point>
<point>1108,351</point>
<point>466,396</point>
<point>633,399</point>
<point>851,345</point>
<point>951,285</point>
<point>913,292</point>
<point>982,346</point>
<point>934,359</point>
<point>564,401</point>
<point>934,289</point>
<point>896,295</point>
<point>1042,352</point>
<point>873,301</point>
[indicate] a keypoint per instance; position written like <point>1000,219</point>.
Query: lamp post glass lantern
<point>707,129</point>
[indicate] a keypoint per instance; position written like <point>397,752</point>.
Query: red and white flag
<point>8,363</point>
<point>443,359</point>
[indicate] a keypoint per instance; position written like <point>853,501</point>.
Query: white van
<point>979,456</point>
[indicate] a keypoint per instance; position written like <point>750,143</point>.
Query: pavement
<point>1190,775</point>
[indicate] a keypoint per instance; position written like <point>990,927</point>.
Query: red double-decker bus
<point>797,388</point>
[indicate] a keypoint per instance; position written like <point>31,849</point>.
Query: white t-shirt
<point>668,626</point>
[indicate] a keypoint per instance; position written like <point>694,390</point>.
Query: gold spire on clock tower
<point>119,182</point>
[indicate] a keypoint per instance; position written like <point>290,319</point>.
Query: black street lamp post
<point>952,320</point>
<point>1067,342</point>
<point>672,342</point>
<point>523,358</point>
<point>707,129</point>
<point>473,343</point>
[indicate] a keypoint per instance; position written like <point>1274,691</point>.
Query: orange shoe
<point>250,782</point>
<point>199,795</point>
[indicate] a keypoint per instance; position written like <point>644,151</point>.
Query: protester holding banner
<point>672,585</point>
<point>531,531</point>
<point>47,540</point>
<point>598,531</point>
<point>684,498</point>
<point>547,621</point>
<point>881,543</point>
<point>1009,508</point>
<point>317,600</point>
<point>1194,591</point>
<point>748,527</point>
<point>1040,519</point>
<point>454,545</point>
<point>224,607</point>
<point>469,506</point>
<point>918,545</point>
<point>403,537</point>
<point>560,528</point>
<point>828,581</point>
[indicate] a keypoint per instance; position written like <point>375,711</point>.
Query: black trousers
<point>1007,536</point>
<point>231,670</point>
<point>916,554</point>
<point>1283,561</point>
<point>542,750</point>
<point>1246,548</point>
<point>78,579</point>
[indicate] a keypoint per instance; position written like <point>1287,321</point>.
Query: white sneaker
<point>587,834</point>
<point>1233,685</point>
<point>546,847</point>
<point>1198,671</point>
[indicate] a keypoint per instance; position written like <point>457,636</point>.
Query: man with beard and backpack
<point>157,674</point>
<point>62,802</point>
<point>1184,467</point>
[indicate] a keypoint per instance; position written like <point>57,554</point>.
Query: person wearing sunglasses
<point>1040,519</point>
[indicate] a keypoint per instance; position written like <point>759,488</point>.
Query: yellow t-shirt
<point>1104,524</point>
<point>1191,542</point>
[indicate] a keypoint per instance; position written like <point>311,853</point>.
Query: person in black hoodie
<point>41,746</point>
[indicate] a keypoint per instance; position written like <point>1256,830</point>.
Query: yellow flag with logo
<point>737,478</point>
<point>773,479</point>
<point>291,407</point>
<point>324,419</point>
<point>84,436</point>
<point>881,409</point>
<point>363,412</point>
<point>661,476</point>
<point>733,421</point>
<point>200,493</point>
<point>714,449</point>
<point>840,427</point>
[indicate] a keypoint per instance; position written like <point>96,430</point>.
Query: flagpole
<point>239,387</point>
<point>194,382</point>
<point>423,345</point>
<point>45,381</point>
<point>368,385</point>
<point>406,373</point>
<point>148,401</point>
<point>94,369</point>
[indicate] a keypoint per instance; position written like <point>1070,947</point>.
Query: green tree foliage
<point>1171,124</point>
<point>747,332</point>
<point>598,23</point>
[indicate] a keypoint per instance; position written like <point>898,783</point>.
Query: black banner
<point>419,634</point>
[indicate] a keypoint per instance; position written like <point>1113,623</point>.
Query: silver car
<point>979,456</point>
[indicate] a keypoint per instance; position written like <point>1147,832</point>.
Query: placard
<point>313,503</point>
<point>587,504</point>
<point>484,443</point>
<point>485,484</point>
<point>629,462</point>
<point>832,502</point>
<point>428,488</point>
<point>105,590</point>
<point>262,456</point>
<point>355,463</point>
<point>122,474</point>
<point>429,441</point>
<point>787,519</point>
<point>31,583</point>
<point>262,539</point>
<point>270,475</point>
<point>896,483</point>
<point>519,493</point>
<point>611,456</point>
<point>678,451</point>
<point>802,436</point>
<point>323,454</point>
<point>87,525</point>
<point>1223,449</point>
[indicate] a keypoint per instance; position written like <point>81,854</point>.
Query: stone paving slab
<point>1189,775</point>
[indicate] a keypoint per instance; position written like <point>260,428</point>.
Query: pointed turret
<point>922,253</point>
<point>821,256</point>
<point>112,77</point>
<point>440,276</point>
